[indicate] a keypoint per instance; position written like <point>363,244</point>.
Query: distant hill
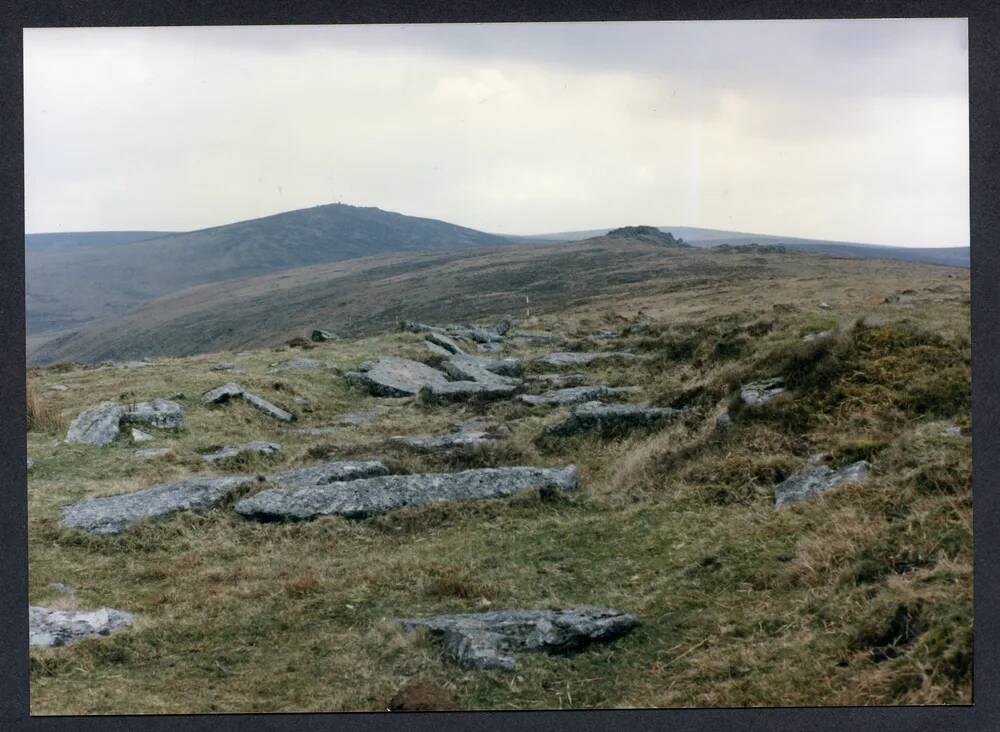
<point>63,241</point>
<point>69,286</point>
<point>952,256</point>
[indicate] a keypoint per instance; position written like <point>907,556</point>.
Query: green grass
<point>862,596</point>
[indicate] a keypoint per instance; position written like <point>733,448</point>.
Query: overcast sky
<point>852,130</point>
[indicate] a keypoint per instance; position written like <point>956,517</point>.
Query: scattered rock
<point>222,394</point>
<point>502,327</point>
<point>456,391</point>
<point>131,364</point>
<point>247,448</point>
<point>31,464</point>
<point>952,431</point>
<point>483,370</point>
<point>60,587</point>
<point>395,377</point>
<point>373,496</point>
<point>445,443</point>
<point>489,347</point>
<point>115,514</point>
<point>161,413</point>
<point>575,395</point>
<point>321,430</point>
<point>355,418</point>
<point>580,358</point>
<point>140,436</point>
<point>326,473</point>
<point>603,335</point>
<point>49,628</point>
<point>825,306</point>
<point>561,381</point>
<point>817,480</point>
<point>419,327</point>
<point>319,335</point>
<point>261,404</point>
<point>96,426</point>
<point>810,337</point>
<point>152,452</point>
<point>440,339</point>
<point>436,349</point>
<point>724,422</point>
<point>58,387</point>
<point>606,418</point>
<point>761,392</point>
<point>480,641</point>
<point>537,337</point>
<point>227,366</point>
<point>298,363</point>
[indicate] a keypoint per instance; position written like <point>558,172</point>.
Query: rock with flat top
<point>609,419</point>
<point>491,640</point>
<point>247,448</point>
<point>395,377</point>
<point>222,394</point>
<point>115,514</point>
<point>761,392</point>
<point>326,473</point>
<point>162,413</point>
<point>152,452</point>
<point>261,404</point>
<point>575,395</point>
<point>96,426</point>
<point>463,439</point>
<point>581,358</point>
<point>373,496</point>
<point>443,341</point>
<point>816,481</point>
<point>461,391</point>
<point>483,370</point>
<point>140,436</point>
<point>53,628</point>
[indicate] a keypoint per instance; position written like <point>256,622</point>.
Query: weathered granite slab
<point>816,481</point>
<point>52,628</point>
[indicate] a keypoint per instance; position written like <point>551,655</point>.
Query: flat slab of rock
<point>140,436</point>
<point>227,392</point>
<point>298,363</point>
<point>436,349</point>
<point>609,418</point>
<point>373,496</point>
<point>222,394</point>
<point>247,448</point>
<point>50,628</point>
<point>581,358</point>
<point>810,337</point>
<point>561,381</point>
<point>326,473</point>
<point>443,341</point>
<point>152,452</point>
<point>448,442</point>
<point>261,404</point>
<point>816,481</point>
<point>162,413</point>
<point>319,335</point>
<point>537,337</point>
<point>459,391</point>
<point>575,395</point>
<point>761,392</point>
<point>96,426</point>
<point>58,387</point>
<point>490,640</point>
<point>115,514</point>
<point>395,377</point>
<point>484,370</point>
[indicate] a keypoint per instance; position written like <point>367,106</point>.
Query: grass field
<point>862,596</point>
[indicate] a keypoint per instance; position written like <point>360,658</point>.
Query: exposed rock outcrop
<point>49,628</point>
<point>816,481</point>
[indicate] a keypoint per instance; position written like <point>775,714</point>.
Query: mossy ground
<point>863,596</point>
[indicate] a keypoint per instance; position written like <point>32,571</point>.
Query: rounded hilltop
<point>645,233</point>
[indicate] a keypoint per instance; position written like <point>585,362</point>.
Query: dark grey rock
<point>247,448</point>
<point>96,426</point>
<point>608,418</point>
<point>574,395</point>
<point>271,410</point>
<point>458,391</point>
<point>162,413</point>
<point>762,392</point>
<point>490,640</point>
<point>502,327</point>
<point>436,349</point>
<point>372,496</point>
<point>440,339</point>
<point>319,335</point>
<point>581,358</point>
<point>222,394</point>
<point>395,377</point>
<point>115,514</point>
<point>49,628</point>
<point>816,481</point>
<point>326,473</point>
<point>484,370</point>
<point>603,335</point>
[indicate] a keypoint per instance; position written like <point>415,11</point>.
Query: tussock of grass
<point>44,414</point>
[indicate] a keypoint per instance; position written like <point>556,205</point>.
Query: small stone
<point>825,305</point>
<point>816,481</point>
<point>222,394</point>
<point>271,410</point>
<point>762,392</point>
<point>609,419</point>
<point>152,452</point>
<point>443,341</point>
<point>574,395</point>
<point>724,422</point>
<point>502,327</point>
<point>58,387</point>
<point>247,448</point>
<point>228,366</point>
<point>581,358</point>
<point>50,628</point>
<point>60,587</point>
<point>31,463</point>
<point>319,335</point>
<point>457,391</point>
<point>490,640</point>
<point>810,337</point>
<point>140,436</point>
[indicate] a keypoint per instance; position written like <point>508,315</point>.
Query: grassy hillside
<point>863,596</point>
<point>71,287</point>
<point>366,296</point>
<point>71,240</point>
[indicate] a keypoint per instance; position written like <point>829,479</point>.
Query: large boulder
<point>372,496</point>
<point>162,413</point>
<point>760,393</point>
<point>48,628</point>
<point>581,358</point>
<point>96,426</point>
<point>247,448</point>
<point>575,395</point>
<point>816,481</point>
<point>115,514</point>
<point>395,377</point>
<point>490,640</point>
<point>609,419</point>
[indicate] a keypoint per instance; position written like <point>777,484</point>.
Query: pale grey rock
<point>319,335</point>
<point>483,370</point>
<point>115,514</point>
<point>480,335</point>
<point>490,640</point>
<point>574,395</point>
<point>444,443</point>
<point>140,436</point>
<point>31,463</point>
<point>816,481</point>
<point>321,430</point>
<point>581,358</point>
<point>51,628</point>
<point>561,381</point>
<point>152,452</point>
<point>952,431</point>
<point>58,387</point>
<point>247,448</point>
<point>271,410</point>
<point>489,347</point>
<point>443,341</point>
<point>373,496</point>
<point>60,587</point>
<point>162,413</point>
<point>458,391</point>
<point>96,426</point>
<point>222,394</point>
<point>395,377</point>
<point>436,349</point>
<point>298,363</point>
<point>762,392</point>
<point>811,337</point>
<point>132,364</point>
<point>609,418</point>
<point>825,306</point>
<point>326,473</point>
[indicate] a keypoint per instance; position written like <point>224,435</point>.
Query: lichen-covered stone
<point>49,628</point>
<point>222,394</point>
<point>162,413</point>
<point>574,395</point>
<point>96,426</point>
<point>761,392</point>
<point>609,419</point>
<point>247,448</point>
<point>395,377</point>
<point>458,391</point>
<point>581,358</point>
<point>816,481</point>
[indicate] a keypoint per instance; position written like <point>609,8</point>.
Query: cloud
<point>848,130</point>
